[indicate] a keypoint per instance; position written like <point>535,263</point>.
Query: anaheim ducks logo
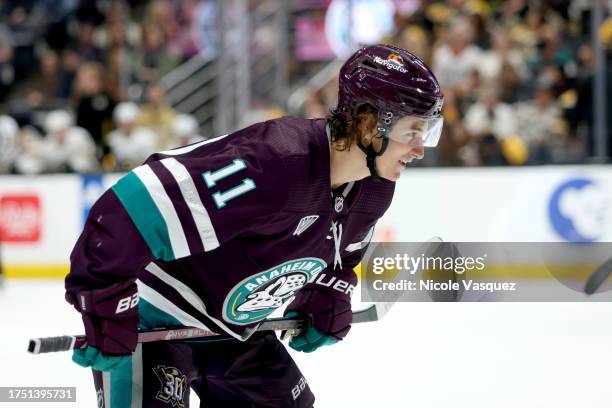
<point>257,296</point>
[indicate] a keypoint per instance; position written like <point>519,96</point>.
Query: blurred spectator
<point>155,60</point>
<point>490,116</point>
<point>118,22</point>
<point>70,62</point>
<point>29,147</point>
<point>43,89</point>
<point>179,36</point>
<point>458,57</point>
<point>122,63</point>
<point>414,39</point>
<point>92,103</point>
<point>130,144</point>
<point>453,148</point>
<point>64,148</point>
<point>581,115</point>
<point>541,127</point>
<point>85,46</point>
<point>490,151</point>
<point>7,74</point>
<point>185,131</point>
<point>25,24</point>
<point>504,63</point>
<point>157,115</point>
<point>8,143</point>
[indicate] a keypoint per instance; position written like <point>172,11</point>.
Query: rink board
<point>42,216</point>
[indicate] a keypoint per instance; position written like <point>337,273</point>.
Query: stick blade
<point>369,314</point>
<point>372,313</point>
<point>598,277</point>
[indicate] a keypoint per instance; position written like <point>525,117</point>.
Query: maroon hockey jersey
<point>223,232</point>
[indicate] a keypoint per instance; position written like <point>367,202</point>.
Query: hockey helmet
<point>398,84</point>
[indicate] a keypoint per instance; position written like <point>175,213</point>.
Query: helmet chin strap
<point>385,121</point>
<point>371,156</point>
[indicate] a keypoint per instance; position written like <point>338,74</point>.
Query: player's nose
<point>418,152</point>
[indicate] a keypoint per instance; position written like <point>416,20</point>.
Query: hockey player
<point>221,233</point>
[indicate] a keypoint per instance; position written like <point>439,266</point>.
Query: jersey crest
<point>256,297</point>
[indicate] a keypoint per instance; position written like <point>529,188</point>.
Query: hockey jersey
<point>221,233</point>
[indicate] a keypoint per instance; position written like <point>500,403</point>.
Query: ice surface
<point>425,355</point>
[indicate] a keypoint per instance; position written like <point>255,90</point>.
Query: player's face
<point>405,145</point>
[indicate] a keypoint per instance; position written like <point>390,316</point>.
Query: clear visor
<point>415,131</point>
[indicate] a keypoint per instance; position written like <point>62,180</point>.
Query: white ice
<point>421,355</point>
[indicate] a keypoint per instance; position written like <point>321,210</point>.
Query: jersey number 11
<point>211,178</point>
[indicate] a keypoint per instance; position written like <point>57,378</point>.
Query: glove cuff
<point>113,337</point>
<point>117,300</point>
<point>110,317</point>
<point>326,303</point>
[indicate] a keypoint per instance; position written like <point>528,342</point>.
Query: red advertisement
<point>20,218</point>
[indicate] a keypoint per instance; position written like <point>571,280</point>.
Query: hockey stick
<point>597,278</point>
<point>371,313</point>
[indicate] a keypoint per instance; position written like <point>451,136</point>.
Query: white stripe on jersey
<point>178,241</point>
<point>187,149</point>
<point>137,377</point>
<point>189,295</point>
<point>191,197</point>
<point>163,304</point>
<point>360,245</point>
<point>106,386</point>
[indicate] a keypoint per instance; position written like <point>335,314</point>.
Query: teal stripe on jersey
<point>121,385</point>
<point>146,216</point>
<point>151,317</point>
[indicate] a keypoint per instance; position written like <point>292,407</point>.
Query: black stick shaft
<point>66,343</point>
<point>598,277</point>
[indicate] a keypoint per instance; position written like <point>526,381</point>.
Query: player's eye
<point>410,137</point>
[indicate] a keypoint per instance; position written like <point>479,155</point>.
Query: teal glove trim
<point>92,357</point>
<point>311,340</point>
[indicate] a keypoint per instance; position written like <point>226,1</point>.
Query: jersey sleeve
<point>354,251</point>
<point>172,208</point>
<point>184,206</point>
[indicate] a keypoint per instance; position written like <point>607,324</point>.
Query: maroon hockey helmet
<point>396,83</point>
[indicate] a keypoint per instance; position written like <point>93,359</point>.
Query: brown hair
<point>347,129</point>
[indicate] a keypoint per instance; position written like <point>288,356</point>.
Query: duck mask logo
<point>257,296</point>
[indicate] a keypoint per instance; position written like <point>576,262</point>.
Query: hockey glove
<point>91,357</point>
<point>110,317</point>
<point>326,304</point>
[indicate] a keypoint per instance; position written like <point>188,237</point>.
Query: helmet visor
<point>416,131</point>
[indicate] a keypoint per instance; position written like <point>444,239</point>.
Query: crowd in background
<point>517,77</point>
<point>80,80</point>
<point>68,71</point>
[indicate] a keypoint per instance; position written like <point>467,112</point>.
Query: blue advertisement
<point>92,189</point>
